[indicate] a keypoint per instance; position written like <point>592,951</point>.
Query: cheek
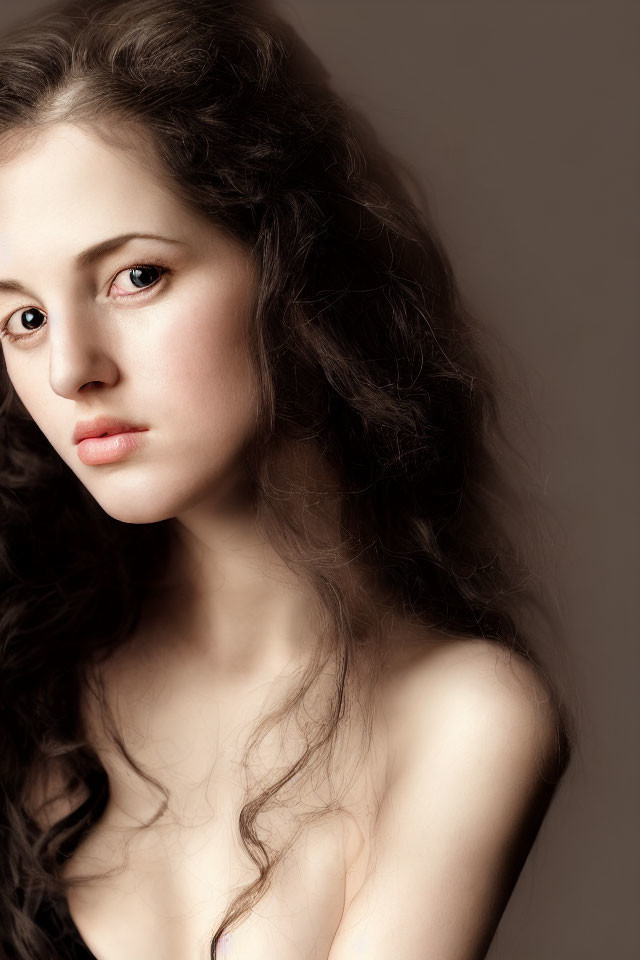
<point>204,373</point>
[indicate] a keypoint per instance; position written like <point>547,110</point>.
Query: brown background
<point>520,118</point>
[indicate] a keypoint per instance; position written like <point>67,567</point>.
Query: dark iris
<point>31,314</point>
<point>138,274</point>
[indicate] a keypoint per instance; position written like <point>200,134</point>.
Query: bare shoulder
<point>472,730</point>
<point>479,691</point>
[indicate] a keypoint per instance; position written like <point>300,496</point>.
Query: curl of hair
<point>363,350</point>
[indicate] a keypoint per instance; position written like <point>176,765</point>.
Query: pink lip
<point>102,425</point>
<point>94,450</point>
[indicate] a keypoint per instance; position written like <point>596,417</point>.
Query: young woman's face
<point>110,334</point>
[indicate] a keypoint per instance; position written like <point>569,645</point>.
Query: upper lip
<point>101,426</point>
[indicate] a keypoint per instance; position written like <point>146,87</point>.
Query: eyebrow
<point>94,253</point>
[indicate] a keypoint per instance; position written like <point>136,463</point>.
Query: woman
<point>266,689</point>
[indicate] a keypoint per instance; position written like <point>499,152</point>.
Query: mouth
<point>102,427</point>
<point>112,433</point>
<point>110,447</point>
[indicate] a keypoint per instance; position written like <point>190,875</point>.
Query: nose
<point>80,357</point>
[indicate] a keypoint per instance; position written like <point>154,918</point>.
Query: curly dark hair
<point>361,345</point>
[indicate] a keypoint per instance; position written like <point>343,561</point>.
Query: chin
<point>128,513</point>
<point>151,496</point>
<point>137,508</point>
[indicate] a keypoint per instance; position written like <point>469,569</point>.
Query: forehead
<point>69,184</point>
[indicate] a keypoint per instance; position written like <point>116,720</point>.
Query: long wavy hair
<point>362,348</point>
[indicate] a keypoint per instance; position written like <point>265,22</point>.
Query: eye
<point>141,276</point>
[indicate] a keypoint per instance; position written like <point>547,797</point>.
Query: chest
<point>177,885</point>
<point>162,891</point>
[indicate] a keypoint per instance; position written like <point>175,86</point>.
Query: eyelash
<point>4,333</point>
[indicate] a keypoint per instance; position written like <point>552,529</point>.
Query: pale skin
<point>462,736</point>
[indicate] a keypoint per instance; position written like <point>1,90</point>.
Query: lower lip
<point>109,449</point>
